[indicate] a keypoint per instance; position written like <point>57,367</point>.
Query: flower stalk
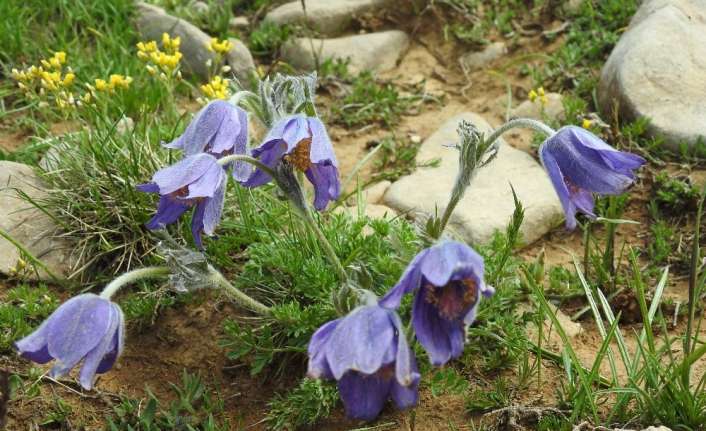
<point>217,279</point>
<point>133,276</point>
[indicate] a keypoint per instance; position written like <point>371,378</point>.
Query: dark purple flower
<point>219,129</point>
<point>448,280</point>
<point>579,163</point>
<point>303,143</point>
<point>367,353</point>
<point>85,328</point>
<point>196,180</point>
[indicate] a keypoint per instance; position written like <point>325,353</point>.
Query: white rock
<point>488,204</point>
<point>28,225</point>
<point>373,211</point>
<point>657,428</point>
<point>373,194</point>
<point>152,21</point>
<point>657,68</point>
<point>480,59</point>
<point>328,17</point>
<point>553,109</point>
<point>240,60</point>
<point>239,23</point>
<point>372,51</point>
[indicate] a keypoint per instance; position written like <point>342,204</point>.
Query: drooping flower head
<point>448,281</point>
<point>303,143</point>
<point>368,354</point>
<point>196,181</point>
<point>219,129</point>
<point>85,328</point>
<point>579,163</point>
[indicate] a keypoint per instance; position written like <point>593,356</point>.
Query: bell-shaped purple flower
<point>579,164</point>
<point>303,143</point>
<point>448,280</point>
<point>368,354</point>
<point>196,180</point>
<point>85,328</point>
<point>219,129</point>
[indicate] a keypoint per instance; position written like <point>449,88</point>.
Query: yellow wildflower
<point>101,85</point>
<point>119,81</point>
<point>170,44</point>
<point>150,46</point>
<point>219,47</point>
<point>532,95</point>
<point>68,79</point>
<point>217,88</point>
<point>586,123</point>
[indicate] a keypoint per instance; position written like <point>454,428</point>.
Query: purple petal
<point>451,260</point>
<point>148,188</point>
<point>321,147</point>
<point>362,341</point>
<point>207,184</point>
<point>183,173</point>
<point>296,130</point>
<point>96,355</point>
<point>363,396</point>
<point>270,155</point>
<point>442,339</point>
<point>326,185</point>
<point>117,344</point>
<point>560,187</point>
<point>587,143</point>
<point>76,328</point>
<point>168,211</point>
<point>406,397</point>
<point>318,366</point>
<point>410,280</point>
<point>405,365</point>
<point>228,131</point>
<point>214,207</point>
<point>242,170</point>
<point>202,128</point>
<point>470,317</point>
<point>197,224</point>
<point>35,346</point>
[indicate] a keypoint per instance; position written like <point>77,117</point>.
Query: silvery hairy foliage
<point>280,96</point>
<point>189,268</point>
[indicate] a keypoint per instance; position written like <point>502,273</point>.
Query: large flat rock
<point>328,17</point>
<point>488,204</point>
<point>28,225</point>
<point>657,70</point>
<point>372,51</point>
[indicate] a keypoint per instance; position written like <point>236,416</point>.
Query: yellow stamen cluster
<point>538,94</point>
<point>167,59</point>
<point>216,89</point>
<point>219,47</point>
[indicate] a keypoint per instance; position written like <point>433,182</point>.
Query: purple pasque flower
<point>448,280</point>
<point>85,328</point>
<point>219,129</point>
<point>195,181</point>
<point>303,143</point>
<point>579,164</point>
<point>368,354</point>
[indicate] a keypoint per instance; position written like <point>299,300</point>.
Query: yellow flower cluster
<point>586,123</point>
<point>219,47</point>
<point>216,89</point>
<point>114,82</point>
<point>538,95</point>
<point>49,77</point>
<point>167,60</point>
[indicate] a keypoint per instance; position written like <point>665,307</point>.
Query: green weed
<point>22,310</point>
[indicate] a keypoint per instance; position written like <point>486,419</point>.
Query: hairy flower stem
<point>236,294</point>
<point>133,276</point>
<point>252,160</point>
<point>326,245</point>
<point>490,141</point>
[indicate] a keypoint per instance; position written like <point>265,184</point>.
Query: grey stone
<point>328,17</point>
<point>656,70</point>
<point>28,225</point>
<point>553,109</point>
<point>373,211</point>
<point>152,21</point>
<point>480,59</point>
<point>373,194</point>
<point>372,51</point>
<point>488,203</point>
<point>239,23</point>
<point>240,60</point>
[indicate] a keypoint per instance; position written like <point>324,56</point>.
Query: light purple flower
<point>219,129</point>
<point>303,143</point>
<point>367,353</point>
<point>196,180</point>
<point>85,328</point>
<point>579,163</point>
<point>448,280</point>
